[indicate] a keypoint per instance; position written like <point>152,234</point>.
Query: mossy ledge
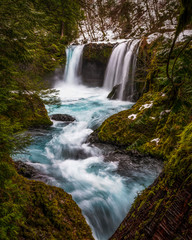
<point>37,116</point>
<point>159,124</point>
<point>98,52</point>
<point>33,210</point>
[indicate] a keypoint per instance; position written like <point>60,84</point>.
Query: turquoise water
<point>79,168</point>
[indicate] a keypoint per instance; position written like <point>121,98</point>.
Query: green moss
<point>34,210</point>
<point>97,52</point>
<point>164,120</point>
<point>158,202</point>
<point>30,112</point>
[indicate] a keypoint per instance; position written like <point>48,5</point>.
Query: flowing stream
<point>96,184</point>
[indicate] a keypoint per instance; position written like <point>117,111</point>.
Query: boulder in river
<point>62,117</point>
<point>115,92</point>
<point>30,172</point>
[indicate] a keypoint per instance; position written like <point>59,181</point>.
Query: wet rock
<point>62,117</point>
<point>76,153</point>
<point>30,172</point>
<point>128,162</point>
<point>115,92</point>
<point>93,138</point>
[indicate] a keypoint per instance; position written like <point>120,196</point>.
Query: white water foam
<point>74,64</point>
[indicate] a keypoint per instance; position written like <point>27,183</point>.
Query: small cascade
<point>121,69</point>
<point>73,66</point>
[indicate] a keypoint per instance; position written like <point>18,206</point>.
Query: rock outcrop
<point>95,58</point>
<point>115,92</point>
<point>33,210</point>
<point>163,211</point>
<point>34,113</point>
<point>30,172</point>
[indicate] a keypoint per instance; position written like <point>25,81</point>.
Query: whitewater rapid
<point>79,168</point>
<point>97,184</point>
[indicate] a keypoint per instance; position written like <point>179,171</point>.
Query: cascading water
<point>121,69</point>
<point>74,64</point>
<point>102,190</point>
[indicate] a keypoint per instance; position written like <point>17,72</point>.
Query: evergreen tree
<point>33,36</point>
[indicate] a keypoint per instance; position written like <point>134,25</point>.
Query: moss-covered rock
<point>30,112</point>
<point>163,211</point>
<point>97,52</point>
<point>154,123</point>
<point>33,210</point>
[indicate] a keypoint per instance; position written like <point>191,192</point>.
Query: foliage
<point>185,18</point>
<point>127,18</point>
<point>31,45</point>
<point>62,15</point>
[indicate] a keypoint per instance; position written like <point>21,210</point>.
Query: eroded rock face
<point>160,216</point>
<point>30,172</point>
<point>95,59</point>
<point>62,117</point>
<point>163,211</point>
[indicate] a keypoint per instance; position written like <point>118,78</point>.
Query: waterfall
<point>73,66</point>
<point>104,186</point>
<point>121,69</point>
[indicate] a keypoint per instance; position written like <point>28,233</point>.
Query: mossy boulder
<point>33,210</point>
<point>30,112</point>
<point>135,127</point>
<point>37,115</point>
